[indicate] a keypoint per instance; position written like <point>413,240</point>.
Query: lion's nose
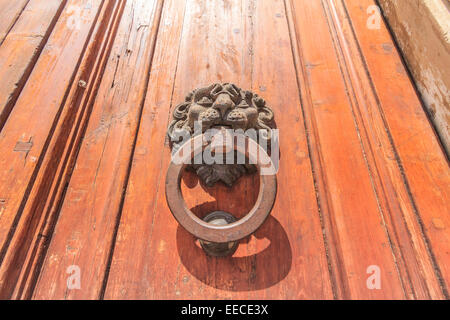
<point>223,103</point>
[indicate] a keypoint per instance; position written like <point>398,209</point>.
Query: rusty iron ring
<point>233,231</point>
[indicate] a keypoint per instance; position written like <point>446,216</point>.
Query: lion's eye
<point>205,101</point>
<point>231,89</point>
<point>217,89</point>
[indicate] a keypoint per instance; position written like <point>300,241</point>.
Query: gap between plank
<point>334,260</point>
<point>14,21</point>
<point>350,90</point>
<point>27,72</point>
<point>157,23</point>
<point>394,148</point>
<point>75,131</point>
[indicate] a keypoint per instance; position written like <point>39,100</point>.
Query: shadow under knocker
<point>252,267</point>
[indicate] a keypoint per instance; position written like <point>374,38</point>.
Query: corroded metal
<point>220,106</point>
<point>233,231</point>
<point>219,218</point>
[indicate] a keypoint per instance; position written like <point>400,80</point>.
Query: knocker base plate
<point>214,249</point>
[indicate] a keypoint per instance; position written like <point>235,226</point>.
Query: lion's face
<point>222,105</point>
<point>219,105</point>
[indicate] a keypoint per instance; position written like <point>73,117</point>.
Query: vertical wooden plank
<point>99,177</point>
<point>226,28</point>
<point>417,149</point>
<point>296,207</point>
<point>29,243</point>
<point>41,203</point>
<point>29,128</point>
<point>414,262</point>
<point>10,12</point>
<point>355,221</point>
<point>21,48</point>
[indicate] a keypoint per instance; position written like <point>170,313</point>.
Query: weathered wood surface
<point>21,47</point>
<point>11,11</point>
<point>363,180</point>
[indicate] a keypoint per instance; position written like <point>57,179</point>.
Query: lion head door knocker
<point>222,133</point>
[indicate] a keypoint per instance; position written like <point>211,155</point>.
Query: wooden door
<point>363,183</point>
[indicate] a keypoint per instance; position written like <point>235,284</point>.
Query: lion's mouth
<point>227,124</point>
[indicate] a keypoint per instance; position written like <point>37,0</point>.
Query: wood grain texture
<point>30,125</point>
<point>11,11</point>
<point>413,259</point>
<point>354,209</point>
<point>23,215</point>
<point>418,151</point>
<point>296,208</point>
<point>21,48</point>
<point>362,180</point>
<point>84,232</point>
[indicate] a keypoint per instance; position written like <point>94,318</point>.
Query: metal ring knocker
<point>219,232</point>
